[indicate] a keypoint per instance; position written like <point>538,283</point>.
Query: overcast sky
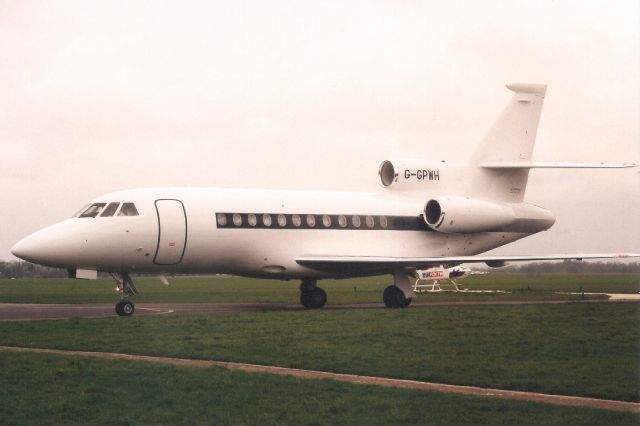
<point>98,96</point>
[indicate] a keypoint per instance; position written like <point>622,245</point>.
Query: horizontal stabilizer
<point>527,88</point>
<point>553,165</point>
<point>382,264</point>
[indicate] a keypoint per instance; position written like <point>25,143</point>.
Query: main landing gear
<point>125,287</point>
<point>311,296</point>
<point>393,297</point>
<point>400,294</point>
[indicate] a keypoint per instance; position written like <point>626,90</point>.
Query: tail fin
<point>511,139</point>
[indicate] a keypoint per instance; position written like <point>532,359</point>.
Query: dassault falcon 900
<point>429,213</point>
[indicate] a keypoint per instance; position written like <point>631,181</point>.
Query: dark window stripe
<point>381,223</point>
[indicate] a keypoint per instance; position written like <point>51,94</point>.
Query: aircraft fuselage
<point>257,233</point>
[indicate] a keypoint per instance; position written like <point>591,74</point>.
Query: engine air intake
<point>466,215</point>
<point>433,213</point>
<point>387,173</point>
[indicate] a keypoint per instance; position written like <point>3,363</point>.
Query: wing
<point>349,265</point>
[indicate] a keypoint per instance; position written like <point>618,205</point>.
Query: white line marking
<point>158,311</point>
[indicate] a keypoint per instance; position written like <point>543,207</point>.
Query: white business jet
<point>429,213</point>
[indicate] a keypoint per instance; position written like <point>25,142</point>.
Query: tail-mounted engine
<point>411,174</point>
<point>466,215</point>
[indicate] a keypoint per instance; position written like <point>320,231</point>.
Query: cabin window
<point>369,221</point>
<point>128,209</point>
<point>110,210</point>
<point>93,210</point>
<point>311,220</point>
<point>288,221</point>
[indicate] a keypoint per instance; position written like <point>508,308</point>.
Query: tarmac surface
<point>29,312</point>
<point>26,312</point>
<point>566,400</point>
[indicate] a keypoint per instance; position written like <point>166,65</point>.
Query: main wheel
<point>393,297</point>
<point>314,299</point>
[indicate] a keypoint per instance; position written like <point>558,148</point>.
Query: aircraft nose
<point>50,246</point>
<point>29,248</point>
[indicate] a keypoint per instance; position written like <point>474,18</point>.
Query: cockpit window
<point>128,209</point>
<point>110,210</point>
<point>76,214</point>
<point>93,210</point>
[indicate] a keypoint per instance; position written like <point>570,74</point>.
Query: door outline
<point>184,247</point>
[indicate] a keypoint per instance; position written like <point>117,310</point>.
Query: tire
<point>305,299</point>
<point>314,299</point>
<point>127,308</point>
<point>393,298</point>
<point>119,309</point>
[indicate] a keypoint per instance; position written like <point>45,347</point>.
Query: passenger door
<point>172,232</point>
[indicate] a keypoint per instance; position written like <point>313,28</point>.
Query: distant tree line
<point>569,266</point>
<point>20,269</point>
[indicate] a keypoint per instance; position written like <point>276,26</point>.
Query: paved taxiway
<point>26,312</point>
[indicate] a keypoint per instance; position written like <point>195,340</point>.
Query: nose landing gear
<point>125,287</point>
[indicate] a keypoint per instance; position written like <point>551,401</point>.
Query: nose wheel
<point>124,308</point>
<point>125,287</point>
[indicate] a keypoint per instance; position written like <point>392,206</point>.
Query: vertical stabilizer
<point>511,139</point>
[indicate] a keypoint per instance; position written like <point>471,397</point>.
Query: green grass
<point>51,389</point>
<point>573,349</point>
<point>357,290</point>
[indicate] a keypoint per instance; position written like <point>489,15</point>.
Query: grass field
<point>359,290</point>
<point>50,389</point>
<point>573,349</point>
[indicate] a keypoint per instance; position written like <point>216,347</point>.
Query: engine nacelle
<point>412,174</point>
<point>466,215</point>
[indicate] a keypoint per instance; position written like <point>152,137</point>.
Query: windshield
<point>128,209</point>
<point>110,210</point>
<point>93,210</point>
<point>76,214</point>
